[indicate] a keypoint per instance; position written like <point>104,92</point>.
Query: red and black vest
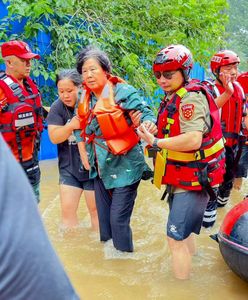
<point>21,121</point>
<point>194,170</point>
<point>232,114</point>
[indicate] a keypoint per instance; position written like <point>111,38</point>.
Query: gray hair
<point>93,52</point>
<point>70,74</point>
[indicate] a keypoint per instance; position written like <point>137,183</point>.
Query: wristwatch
<point>155,144</point>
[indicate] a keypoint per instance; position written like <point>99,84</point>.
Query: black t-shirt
<point>68,152</point>
<point>29,267</point>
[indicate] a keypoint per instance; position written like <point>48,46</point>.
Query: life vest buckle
<point>199,155</point>
<point>165,131</point>
<point>171,108</point>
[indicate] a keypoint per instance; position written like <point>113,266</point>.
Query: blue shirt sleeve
<point>77,135</point>
<point>129,99</point>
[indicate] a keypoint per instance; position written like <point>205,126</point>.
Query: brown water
<point>100,273</point>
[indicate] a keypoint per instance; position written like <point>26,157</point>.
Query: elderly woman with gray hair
<point>115,155</point>
<point>73,177</point>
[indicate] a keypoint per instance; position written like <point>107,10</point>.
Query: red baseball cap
<point>19,49</point>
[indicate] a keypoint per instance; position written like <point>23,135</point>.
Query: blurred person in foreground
<point>30,269</point>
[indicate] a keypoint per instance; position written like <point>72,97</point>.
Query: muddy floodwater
<point>98,272</point>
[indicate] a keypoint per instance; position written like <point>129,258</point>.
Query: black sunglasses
<point>166,74</point>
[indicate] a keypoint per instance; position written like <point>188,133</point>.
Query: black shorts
<point>186,214</point>
<point>66,178</point>
<point>243,163</point>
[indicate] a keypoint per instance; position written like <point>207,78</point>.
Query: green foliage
<point>130,31</point>
<point>237,30</point>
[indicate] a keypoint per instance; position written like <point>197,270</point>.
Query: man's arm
<point>229,90</point>
<point>184,142</point>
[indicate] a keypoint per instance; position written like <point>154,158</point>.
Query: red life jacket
<point>21,122</point>
<point>243,81</point>
<point>118,134</point>
<point>192,170</point>
<point>232,114</point>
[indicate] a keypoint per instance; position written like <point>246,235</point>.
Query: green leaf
<point>36,73</point>
<point>130,31</point>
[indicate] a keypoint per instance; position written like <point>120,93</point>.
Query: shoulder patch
<point>188,111</point>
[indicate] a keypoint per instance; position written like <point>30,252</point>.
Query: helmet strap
<point>217,76</point>
<point>186,74</point>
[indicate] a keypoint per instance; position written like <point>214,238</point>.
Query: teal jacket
<point>118,170</point>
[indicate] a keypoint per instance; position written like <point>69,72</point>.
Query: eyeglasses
<point>165,74</point>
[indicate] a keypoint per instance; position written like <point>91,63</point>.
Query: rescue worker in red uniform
<point>231,101</point>
<point>190,158</point>
<point>242,167</point>
<point>21,111</point>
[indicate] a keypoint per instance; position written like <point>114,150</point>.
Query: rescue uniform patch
<point>188,111</point>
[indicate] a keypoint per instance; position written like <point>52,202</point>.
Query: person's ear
<point>9,63</point>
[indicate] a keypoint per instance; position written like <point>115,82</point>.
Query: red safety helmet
<point>223,58</point>
<point>174,57</point>
<point>243,80</point>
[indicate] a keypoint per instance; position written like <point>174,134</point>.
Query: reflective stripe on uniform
<point>183,156</point>
<point>208,220</point>
<point>210,213</point>
<point>222,200</point>
<point>182,92</point>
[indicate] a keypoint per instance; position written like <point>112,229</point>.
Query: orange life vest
<point>232,114</point>
<point>118,134</point>
<point>193,170</point>
<point>21,121</point>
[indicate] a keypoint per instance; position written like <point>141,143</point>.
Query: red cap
<point>19,49</point>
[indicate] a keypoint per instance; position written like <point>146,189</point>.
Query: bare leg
<point>181,258</point>
<point>237,184</point>
<point>190,241</point>
<point>91,204</point>
<point>69,198</point>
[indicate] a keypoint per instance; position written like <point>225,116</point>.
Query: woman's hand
<point>145,134</point>
<point>135,116</point>
<point>74,123</point>
<point>85,162</point>
<point>83,155</point>
<point>150,127</point>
